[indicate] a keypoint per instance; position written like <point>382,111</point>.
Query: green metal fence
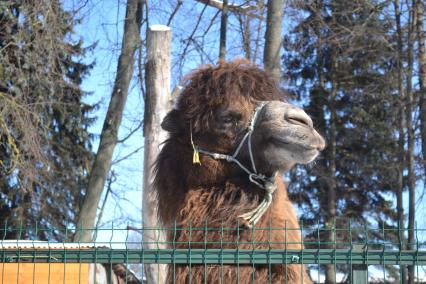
<point>356,254</point>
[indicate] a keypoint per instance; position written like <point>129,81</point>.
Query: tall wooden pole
<point>157,82</point>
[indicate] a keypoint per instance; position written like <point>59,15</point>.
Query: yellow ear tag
<point>196,155</point>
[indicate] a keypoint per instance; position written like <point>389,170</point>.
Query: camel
<point>218,177</point>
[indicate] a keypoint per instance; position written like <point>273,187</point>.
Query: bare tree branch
<point>232,7</point>
<point>133,131</point>
<point>190,38</point>
<point>179,3</point>
<point>246,9</point>
<point>128,155</point>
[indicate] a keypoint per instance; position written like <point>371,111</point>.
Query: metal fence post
<point>359,271</point>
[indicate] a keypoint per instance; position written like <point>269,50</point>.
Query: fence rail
<point>216,256</point>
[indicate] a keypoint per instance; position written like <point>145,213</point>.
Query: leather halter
<point>261,180</point>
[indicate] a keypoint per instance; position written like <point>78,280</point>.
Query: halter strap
<point>253,175</point>
<point>261,180</point>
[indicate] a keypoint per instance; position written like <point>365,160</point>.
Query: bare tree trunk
<point>401,143</point>
<point>257,39</point>
<point>245,34</point>
<point>108,139</point>
<point>272,54</point>
<point>420,9</point>
<point>411,180</point>
<point>330,272</point>
<point>223,28</point>
<point>327,167</point>
<point>157,101</point>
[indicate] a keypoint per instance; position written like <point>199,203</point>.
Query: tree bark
<point>322,99</point>
<point>108,139</point>
<point>245,35</point>
<point>258,32</point>
<point>420,9</point>
<point>401,143</point>
<point>157,102</point>
<point>330,271</point>
<point>411,179</point>
<point>272,54</point>
<point>223,29</point>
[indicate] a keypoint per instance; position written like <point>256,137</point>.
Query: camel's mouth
<point>286,143</point>
<point>309,144</point>
<point>292,149</point>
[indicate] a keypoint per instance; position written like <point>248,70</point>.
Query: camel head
<point>284,135</point>
<point>236,109</point>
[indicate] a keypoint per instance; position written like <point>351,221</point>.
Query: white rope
<point>268,184</point>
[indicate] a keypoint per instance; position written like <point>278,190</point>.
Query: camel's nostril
<point>320,147</point>
<point>321,144</point>
<point>298,116</point>
<point>297,120</point>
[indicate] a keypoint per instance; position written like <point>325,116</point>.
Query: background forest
<point>72,99</point>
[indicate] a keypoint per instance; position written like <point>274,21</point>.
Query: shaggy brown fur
<point>214,193</point>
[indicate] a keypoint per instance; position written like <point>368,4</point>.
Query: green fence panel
<point>357,254</point>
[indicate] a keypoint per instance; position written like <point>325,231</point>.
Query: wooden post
<point>157,82</point>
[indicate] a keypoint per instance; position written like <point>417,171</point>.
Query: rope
<point>268,184</point>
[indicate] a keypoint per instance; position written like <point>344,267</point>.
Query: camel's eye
<point>229,119</point>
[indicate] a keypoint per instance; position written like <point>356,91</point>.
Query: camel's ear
<point>172,122</point>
